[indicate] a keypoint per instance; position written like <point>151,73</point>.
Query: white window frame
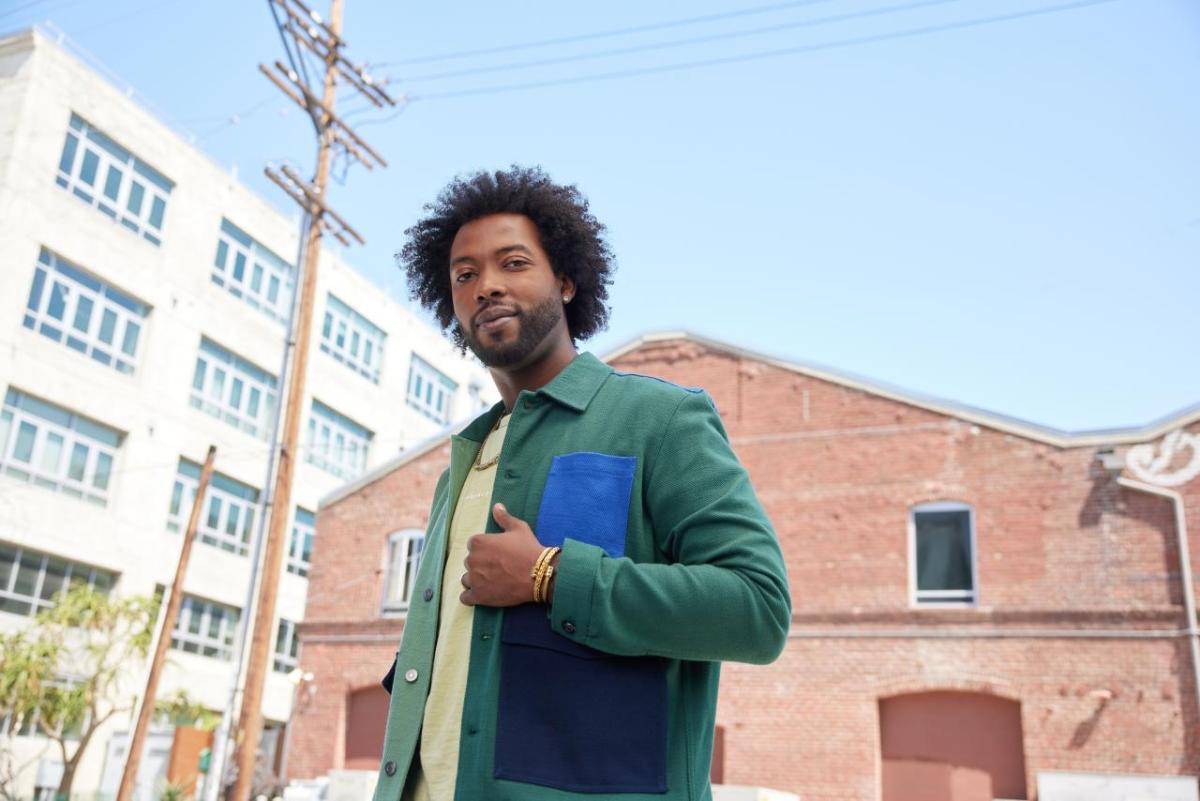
<point>337,444</point>
<point>430,391</point>
<point>260,268</point>
<point>287,647</point>
<point>74,573</point>
<point>92,481</point>
<point>221,645</point>
<point>134,177</point>
<point>231,501</point>
<point>352,339</point>
<point>105,309</point>
<point>942,599</point>
<point>302,529</point>
<point>404,551</point>
<point>223,385</point>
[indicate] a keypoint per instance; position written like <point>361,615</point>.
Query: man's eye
<point>463,276</point>
<point>516,263</point>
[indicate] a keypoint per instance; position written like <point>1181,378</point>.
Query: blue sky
<point>992,201</point>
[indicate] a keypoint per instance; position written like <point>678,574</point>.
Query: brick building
<point>977,600</point>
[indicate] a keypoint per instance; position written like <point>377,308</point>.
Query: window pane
<point>8,560</point>
<point>27,574</point>
<point>214,513</point>
<point>103,471</point>
<point>108,326</point>
<point>79,457</point>
<point>943,551</point>
<point>68,155</point>
<point>129,343</point>
<point>58,301</point>
<point>90,164</point>
<point>52,451</point>
<point>83,314</point>
<point>112,183</point>
<point>137,194</point>
<point>156,212</point>
<point>23,450</point>
<point>56,577</point>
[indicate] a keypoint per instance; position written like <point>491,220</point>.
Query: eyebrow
<point>499,252</point>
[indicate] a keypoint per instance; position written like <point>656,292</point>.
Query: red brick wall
<point>1060,547</point>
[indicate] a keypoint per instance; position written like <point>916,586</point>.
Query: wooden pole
<point>145,714</point>
<point>250,720</point>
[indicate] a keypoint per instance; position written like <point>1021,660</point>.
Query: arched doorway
<point>366,720</point>
<point>951,746</point>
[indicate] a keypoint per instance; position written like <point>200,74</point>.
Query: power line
<point>583,37</point>
<point>714,37</point>
<point>758,56</point>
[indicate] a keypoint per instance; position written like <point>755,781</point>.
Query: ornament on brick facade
<point>1164,464</point>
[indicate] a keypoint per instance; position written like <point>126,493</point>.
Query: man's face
<point>507,299</point>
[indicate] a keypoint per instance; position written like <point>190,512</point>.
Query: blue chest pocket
<point>587,499</point>
<point>569,716</point>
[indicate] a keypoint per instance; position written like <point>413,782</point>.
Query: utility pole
<point>169,615</point>
<point>301,29</point>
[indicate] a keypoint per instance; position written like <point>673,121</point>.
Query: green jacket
<point>669,566</point>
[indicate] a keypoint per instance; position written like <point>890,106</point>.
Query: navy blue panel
<point>587,499</point>
<point>386,683</point>
<point>586,722</point>
<point>569,716</point>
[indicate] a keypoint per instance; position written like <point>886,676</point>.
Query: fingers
<point>503,518</point>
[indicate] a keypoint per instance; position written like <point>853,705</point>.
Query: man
<point>595,548</point>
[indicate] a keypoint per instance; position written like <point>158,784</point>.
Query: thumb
<point>503,519</point>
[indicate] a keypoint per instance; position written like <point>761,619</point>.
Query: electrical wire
<point>715,37</point>
<point>654,26</point>
<point>761,55</point>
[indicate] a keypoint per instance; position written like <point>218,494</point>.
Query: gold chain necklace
<point>478,456</point>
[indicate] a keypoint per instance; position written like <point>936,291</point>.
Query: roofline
<point>984,417</point>
<point>999,422</point>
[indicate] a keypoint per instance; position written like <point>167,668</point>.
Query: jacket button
<point>411,675</point>
<point>428,594</point>
<point>568,627</point>
<point>389,768</point>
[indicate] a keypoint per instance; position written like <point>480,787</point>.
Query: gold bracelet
<point>546,583</point>
<point>537,565</point>
<point>541,574</point>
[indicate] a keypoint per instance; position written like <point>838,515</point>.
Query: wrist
<point>542,574</point>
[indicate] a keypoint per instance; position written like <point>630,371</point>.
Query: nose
<point>490,284</point>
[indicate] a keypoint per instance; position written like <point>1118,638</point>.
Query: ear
<point>567,287</point>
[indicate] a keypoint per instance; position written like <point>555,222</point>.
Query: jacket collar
<point>574,387</point>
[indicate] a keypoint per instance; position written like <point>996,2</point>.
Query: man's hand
<point>498,565</point>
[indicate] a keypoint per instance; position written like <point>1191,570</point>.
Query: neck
<point>536,373</point>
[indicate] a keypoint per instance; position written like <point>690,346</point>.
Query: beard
<point>533,327</point>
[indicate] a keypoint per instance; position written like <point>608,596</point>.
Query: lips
<point>493,318</point>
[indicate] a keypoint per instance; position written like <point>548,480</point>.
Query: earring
<point>566,298</point>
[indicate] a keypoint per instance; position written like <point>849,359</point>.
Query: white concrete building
<point>143,300</point>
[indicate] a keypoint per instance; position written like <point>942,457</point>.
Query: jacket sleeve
<point>723,595</point>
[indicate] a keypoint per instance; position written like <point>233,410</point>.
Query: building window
<point>29,581</point>
<point>429,391</point>
<point>251,272</point>
<point>49,446</point>
<point>232,389</point>
<point>227,517</point>
<point>97,170</point>
<point>403,559</point>
<point>205,627</point>
<point>336,443</point>
<point>299,557</point>
<point>87,315</point>
<point>287,644</point>
<point>942,554</point>
<point>352,339</point>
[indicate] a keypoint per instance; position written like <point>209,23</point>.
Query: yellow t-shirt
<point>436,776</point>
